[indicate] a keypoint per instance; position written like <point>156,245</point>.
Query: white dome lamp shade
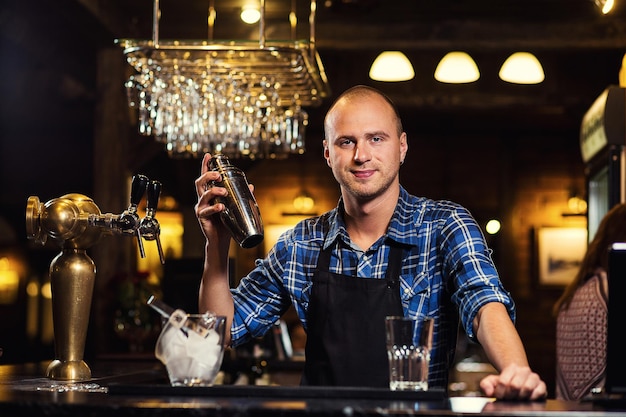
<point>522,68</point>
<point>457,68</point>
<point>392,66</point>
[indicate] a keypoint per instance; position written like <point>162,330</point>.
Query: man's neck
<point>367,221</point>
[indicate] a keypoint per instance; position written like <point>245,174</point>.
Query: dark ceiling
<point>578,46</point>
<point>581,49</point>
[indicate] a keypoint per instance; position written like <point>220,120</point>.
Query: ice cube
<point>172,342</point>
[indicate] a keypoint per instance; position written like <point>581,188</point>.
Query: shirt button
<point>406,290</point>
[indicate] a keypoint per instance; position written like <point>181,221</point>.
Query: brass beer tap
<point>75,222</point>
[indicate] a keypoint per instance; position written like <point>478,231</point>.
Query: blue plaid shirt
<point>447,272</point>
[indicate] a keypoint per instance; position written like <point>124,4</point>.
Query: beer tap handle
<point>129,219</point>
<point>150,228</point>
<point>152,201</point>
<point>154,192</point>
<point>137,190</point>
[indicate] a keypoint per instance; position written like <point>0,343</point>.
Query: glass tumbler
<point>191,348</point>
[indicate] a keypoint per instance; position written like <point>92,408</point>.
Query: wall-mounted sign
<point>604,123</point>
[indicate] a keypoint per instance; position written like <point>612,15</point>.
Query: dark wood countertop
<point>139,388</point>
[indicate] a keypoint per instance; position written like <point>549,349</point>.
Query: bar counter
<point>139,388</point>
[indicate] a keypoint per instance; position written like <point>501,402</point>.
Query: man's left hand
<point>514,383</point>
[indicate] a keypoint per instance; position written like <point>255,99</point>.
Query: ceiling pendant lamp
<point>392,66</point>
<point>250,14</point>
<point>522,68</point>
<point>457,68</point>
<point>605,5</point>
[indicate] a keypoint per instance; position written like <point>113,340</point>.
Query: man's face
<point>362,146</point>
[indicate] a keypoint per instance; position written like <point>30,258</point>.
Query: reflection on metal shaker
<point>241,215</point>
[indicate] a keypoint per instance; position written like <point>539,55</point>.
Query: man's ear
<point>326,152</point>
<point>404,147</point>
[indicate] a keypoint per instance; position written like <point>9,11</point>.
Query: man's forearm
<point>214,293</point>
<point>499,337</point>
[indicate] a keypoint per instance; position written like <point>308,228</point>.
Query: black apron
<point>346,343</point>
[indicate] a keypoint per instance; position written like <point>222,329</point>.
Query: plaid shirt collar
<point>402,226</point>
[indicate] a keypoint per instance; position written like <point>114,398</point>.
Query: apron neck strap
<point>394,263</point>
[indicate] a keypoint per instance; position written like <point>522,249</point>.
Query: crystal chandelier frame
<point>239,98</point>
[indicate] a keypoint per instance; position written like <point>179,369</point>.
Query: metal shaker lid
<point>219,162</point>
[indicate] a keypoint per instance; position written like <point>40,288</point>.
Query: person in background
<point>380,252</point>
<point>581,315</point>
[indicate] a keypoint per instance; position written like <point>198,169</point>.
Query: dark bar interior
<point>522,154</point>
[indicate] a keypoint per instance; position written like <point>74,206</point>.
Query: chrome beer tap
<point>129,220</point>
<point>128,223</point>
<point>75,222</point>
<point>149,227</point>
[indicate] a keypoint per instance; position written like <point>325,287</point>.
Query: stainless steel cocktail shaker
<point>241,214</point>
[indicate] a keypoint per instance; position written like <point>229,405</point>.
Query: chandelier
<point>238,98</point>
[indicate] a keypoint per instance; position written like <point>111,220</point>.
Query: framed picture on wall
<point>560,251</point>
